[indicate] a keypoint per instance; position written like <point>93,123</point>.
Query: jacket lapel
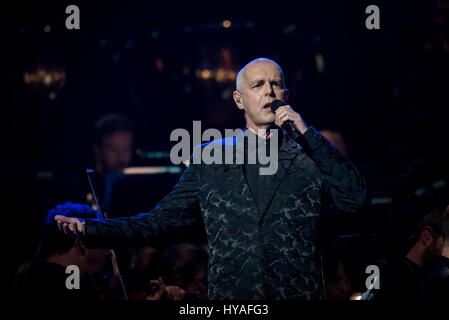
<point>237,170</point>
<point>287,154</point>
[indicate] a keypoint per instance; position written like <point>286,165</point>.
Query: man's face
<point>434,248</point>
<point>116,151</point>
<point>340,288</point>
<point>262,83</point>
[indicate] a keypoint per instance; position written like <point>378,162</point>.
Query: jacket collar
<point>286,155</point>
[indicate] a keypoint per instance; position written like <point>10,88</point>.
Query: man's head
<point>113,139</point>
<point>336,270</point>
<point>259,83</point>
<point>57,247</point>
<point>428,238</point>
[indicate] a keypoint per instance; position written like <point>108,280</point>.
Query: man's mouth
<point>267,106</point>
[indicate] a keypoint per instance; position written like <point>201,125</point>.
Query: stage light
<point>356,296</point>
<point>205,74</point>
<point>159,64</point>
<point>319,60</point>
<point>220,75</point>
<point>152,170</point>
<point>232,75</point>
<point>226,23</point>
<point>45,77</point>
<point>47,28</point>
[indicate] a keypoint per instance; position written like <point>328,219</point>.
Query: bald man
<point>262,230</point>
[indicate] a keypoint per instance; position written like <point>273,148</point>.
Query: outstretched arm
<point>180,208</point>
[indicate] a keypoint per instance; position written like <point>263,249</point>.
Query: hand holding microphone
<point>288,120</point>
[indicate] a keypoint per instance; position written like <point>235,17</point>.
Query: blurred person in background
<point>144,263</point>
<point>403,278</point>
<point>337,277</point>
<point>44,276</point>
<point>436,283</point>
<point>113,143</point>
<point>185,265</point>
<point>182,274</point>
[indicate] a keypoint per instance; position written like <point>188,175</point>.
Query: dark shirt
<point>258,183</point>
<point>49,283</point>
<point>400,280</point>
<point>436,283</point>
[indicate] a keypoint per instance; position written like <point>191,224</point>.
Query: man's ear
<point>238,99</point>
<point>426,235</point>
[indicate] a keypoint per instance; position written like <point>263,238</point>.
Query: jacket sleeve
<point>180,208</point>
<point>343,182</point>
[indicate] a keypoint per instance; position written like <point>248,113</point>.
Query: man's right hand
<point>162,292</point>
<point>71,225</point>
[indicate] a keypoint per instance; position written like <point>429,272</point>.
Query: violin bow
<point>102,215</point>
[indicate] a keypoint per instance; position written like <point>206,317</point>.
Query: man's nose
<point>269,89</point>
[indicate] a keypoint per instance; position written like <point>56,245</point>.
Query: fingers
<point>157,290</point>
<point>286,113</point>
<point>63,218</point>
<point>283,114</point>
<point>175,293</point>
<point>80,227</point>
<point>60,225</point>
<point>70,225</point>
<point>63,222</point>
<point>65,228</point>
<point>162,283</point>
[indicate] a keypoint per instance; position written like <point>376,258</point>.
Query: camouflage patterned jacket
<point>268,253</point>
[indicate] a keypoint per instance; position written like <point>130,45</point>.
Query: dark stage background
<point>166,65</point>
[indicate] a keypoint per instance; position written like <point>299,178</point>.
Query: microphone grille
<point>275,104</point>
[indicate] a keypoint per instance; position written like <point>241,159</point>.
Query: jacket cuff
<point>313,138</point>
<point>90,231</point>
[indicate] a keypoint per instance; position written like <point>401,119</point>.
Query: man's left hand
<point>285,113</point>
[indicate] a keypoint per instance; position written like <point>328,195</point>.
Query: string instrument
<point>102,215</point>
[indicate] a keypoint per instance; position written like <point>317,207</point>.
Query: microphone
<point>289,129</point>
